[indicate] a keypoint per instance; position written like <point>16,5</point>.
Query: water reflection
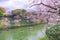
<point>24,33</point>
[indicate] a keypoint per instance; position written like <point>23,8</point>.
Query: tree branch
<point>44,5</point>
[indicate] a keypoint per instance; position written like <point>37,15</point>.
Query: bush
<point>53,33</point>
<point>43,38</point>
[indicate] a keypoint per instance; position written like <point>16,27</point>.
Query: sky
<point>14,4</point>
<point>23,4</point>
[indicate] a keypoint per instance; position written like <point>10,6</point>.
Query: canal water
<point>23,33</point>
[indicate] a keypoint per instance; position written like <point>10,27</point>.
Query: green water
<point>24,33</point>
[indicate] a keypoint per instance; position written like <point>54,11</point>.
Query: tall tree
<point>2,11</point>
<point>20,11</point>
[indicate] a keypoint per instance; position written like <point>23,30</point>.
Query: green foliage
<point>23,11</point>
<point>15,11</point>
<point>20,11</point>
<point>1,13</point>
<point>24,22</point>
<point>43,38</point>
<point>0,23</point>
<point>53,33</point>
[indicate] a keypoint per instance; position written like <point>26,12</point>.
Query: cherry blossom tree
<point>46,7</point>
